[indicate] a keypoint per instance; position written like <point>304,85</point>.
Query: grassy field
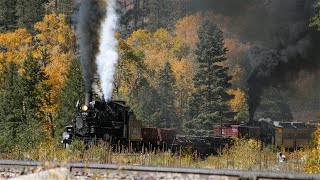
<point>244,155</point>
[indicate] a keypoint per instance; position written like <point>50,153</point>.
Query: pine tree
<point>209,103</point>
<point>29,12</point>
<point>275,105</point>
<point>12,107</point>
<point>144,103</point>
<point>167,113</point>
<point>34,88</point>
<point>20,103</point>
<point>8,19</point>
<point>66,7</point>
<point>133,14</point>
<point>163,14</point>
<point>72,92</point>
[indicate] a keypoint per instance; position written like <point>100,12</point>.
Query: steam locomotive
<point>113,122</point>
<point>96,120</point>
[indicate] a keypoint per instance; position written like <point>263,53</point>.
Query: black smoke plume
<point>90,16</point>
<point>288,46</point>
<point>282,43</point>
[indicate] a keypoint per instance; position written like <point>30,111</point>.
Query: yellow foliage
<point>187,32</point>
<point>239,102</point>
<point>313,156</point>
<point>16,46</point>
<point>187,29</point>
<point>183,71</point>
<point>238,74</point>
<point>128,71</point>
<point>55,45</point>
<point>158,48</point>
<point>139,38</point>
<point>236,57</point>
<point>155,49</point>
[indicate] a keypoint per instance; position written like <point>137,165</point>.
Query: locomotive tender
<point>96,120</point>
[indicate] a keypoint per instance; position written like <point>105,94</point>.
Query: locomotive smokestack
<point>88,98</point>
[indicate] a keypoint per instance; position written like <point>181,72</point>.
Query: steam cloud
<point>108,55</point>
<point>90,16</point>
<point>96,29</point>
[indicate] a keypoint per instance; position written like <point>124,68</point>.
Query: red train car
<point>158,136</point>
<point>226,130</point>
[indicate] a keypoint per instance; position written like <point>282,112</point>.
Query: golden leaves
<point>55,44</point>
<point>312,164</point>
<point>183,72</point>
<point>187,29</point>
<point>158,48</point>
<point>155,50</point>
<point>139,38</point>
<point>15,46</point>
<point>239,102</point>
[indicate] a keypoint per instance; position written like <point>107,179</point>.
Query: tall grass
<point>243,155</point>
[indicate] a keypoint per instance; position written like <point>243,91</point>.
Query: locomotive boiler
<point>96,120</point>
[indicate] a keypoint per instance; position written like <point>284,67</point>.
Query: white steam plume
<point>108,55</point>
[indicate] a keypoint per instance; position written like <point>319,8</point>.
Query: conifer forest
<point>187,65</point>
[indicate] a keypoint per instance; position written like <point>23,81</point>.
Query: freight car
<point>290,135</point>
<point>236,130</point>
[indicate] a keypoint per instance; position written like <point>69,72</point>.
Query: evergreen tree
<point>66,7</point>
<point>144,103</point>
<point>133,15</point>
<point>208,104</point>
<point>72,92</point>
<point>275,105</point>
<point>29,12</point>
<point>167,113</point>
<point>34,88</point>
<point>8,19</point>
<point>20,103</point>
<point>12,107</point>
<point>163,14</point>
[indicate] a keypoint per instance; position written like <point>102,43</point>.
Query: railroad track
<point>9,168</point>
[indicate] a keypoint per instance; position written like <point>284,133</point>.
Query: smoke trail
<point>289,48</point>
<point>108,55</point>
<point>281,42</point>
<point>90,16</point>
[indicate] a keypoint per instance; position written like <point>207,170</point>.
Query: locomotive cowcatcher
<point>96,120</point>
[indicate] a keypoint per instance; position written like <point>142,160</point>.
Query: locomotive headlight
<point>85,108</point>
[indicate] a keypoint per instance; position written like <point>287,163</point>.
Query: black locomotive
<point>110,121</point>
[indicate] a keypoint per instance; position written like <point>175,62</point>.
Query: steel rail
<point>149,169</point>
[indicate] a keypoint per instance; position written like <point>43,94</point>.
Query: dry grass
<point>244,155</point>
